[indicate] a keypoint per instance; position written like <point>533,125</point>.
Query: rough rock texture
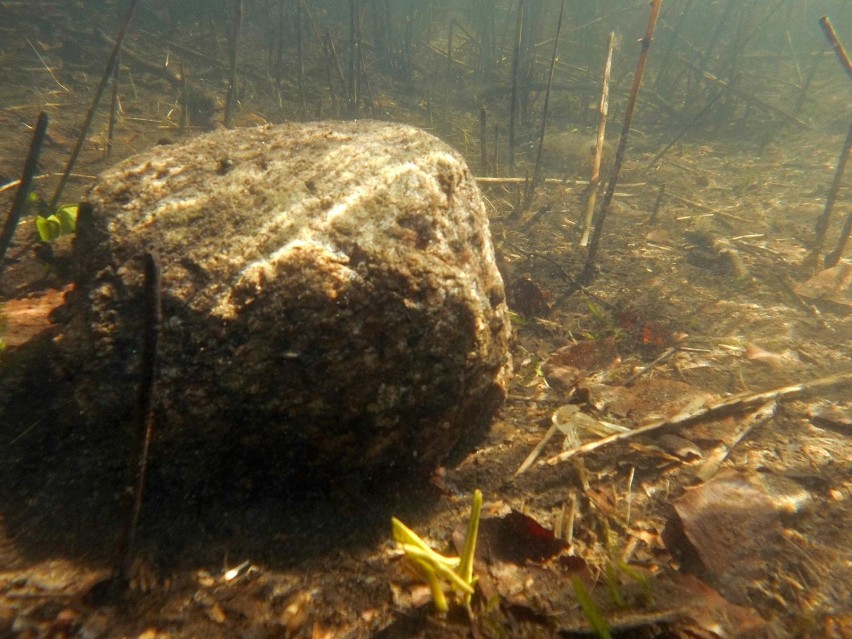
<point>329,293</point>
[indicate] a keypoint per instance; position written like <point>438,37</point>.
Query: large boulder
<point>329,294</point>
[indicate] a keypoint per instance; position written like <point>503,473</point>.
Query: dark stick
<point>496,146</point>
<point>279,52</point>
<point>354,71</point>
<point>822,222</point>
<point>25,186</point>
<point>833,258</point>
<point>688,126</point>
<point>206,99</point>
<point>382,35</point>
<point>334,57</point>
<point>537,170</point>
<point>232,82</point>
<point>310,18</point>
<point>407,34</point>
<point>793,56</point>
<point>84,130</point>
<point>588,268</point>
<point>736,48</point>
<point>449,71</point>
<point>329,65</point>
<point>667,56</point>
<point>184,99</point>
<point>708,52</point>
<point>138,465</point>
<point>836,44</point>
<point>753,99</point>
<point>513,112</point>
<point>656,208</point>
<point>269,41</point>
<point>483,146</point>
<point>365,81</point>
<point>300,63</point>
<point>803,93</point>
<point>113,107</point>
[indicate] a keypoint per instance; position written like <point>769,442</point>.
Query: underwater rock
<point>330,297</point>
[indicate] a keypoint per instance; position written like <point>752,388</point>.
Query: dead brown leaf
<point>567,366</point>
<point>649,399</point>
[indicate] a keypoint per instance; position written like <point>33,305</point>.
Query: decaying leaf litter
<point>710,328</point>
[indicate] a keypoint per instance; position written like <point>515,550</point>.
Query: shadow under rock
<point>62,484</point>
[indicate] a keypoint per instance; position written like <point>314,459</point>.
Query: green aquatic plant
<point>62,222</point>
<point>647,596</point>
<point>590,610</point>
<point>612,584</point>
<point>51,225</point>
<point>517,318</point>
<point>437,569</point>
<point>598,313</point>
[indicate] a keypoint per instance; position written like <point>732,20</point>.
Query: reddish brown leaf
<point>518,538</point>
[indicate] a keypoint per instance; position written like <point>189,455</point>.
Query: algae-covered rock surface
<point>329,293</point>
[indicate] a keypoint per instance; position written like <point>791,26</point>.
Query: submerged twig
<point>753,99</point>
<point>335,61</point>
<point>232,82</point>
<point>513,110</point>
<point>138,465</point>
<point>530,459</point>
<point>588,268</point>
<point>666,354</point>
<point>714,460</point>
<point>354,76</point>
<point>537,170</point>
<point>300,63</point>
<point>113,107</point>
<point>708,52</point>
<point>603,110</point>
<point>84,129</point>
<point>833,258</point>
<point>483,145</point>
<point>184,99</point>
<point>583,183</point>
<point>205,100</point>
<point>724,407</point>
<point>836,45</point>
<point>24,187</point>
<point>688,126</point>
<point>47,66</point>
<point>667,57</point>
<point>655,210</point>
<point>449,72</point>
<point>804,91</point>
<point>707,209</point>
<point>822,222</point>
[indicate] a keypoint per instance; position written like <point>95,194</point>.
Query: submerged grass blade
<point>613,586</point>
<point>436,568</point>
<point>431,578</point>
<point>590,610</point>
<point>465,568</point>
<point>639,578</point>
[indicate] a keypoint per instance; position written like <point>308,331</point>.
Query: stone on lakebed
<point>329,292</point>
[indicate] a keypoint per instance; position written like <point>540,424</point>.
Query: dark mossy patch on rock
<point>329,292</point>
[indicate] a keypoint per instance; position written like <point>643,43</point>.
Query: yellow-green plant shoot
<point>437,569</point>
